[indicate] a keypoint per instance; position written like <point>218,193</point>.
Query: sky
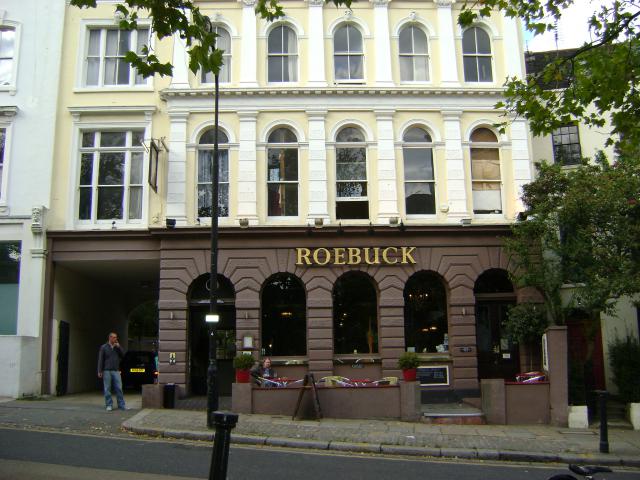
<point>573,29</point>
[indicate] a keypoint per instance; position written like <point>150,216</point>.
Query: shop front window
<point>355,315</point>
<point>425,314</point>
<point>284,317</point>
<point>10,253</point>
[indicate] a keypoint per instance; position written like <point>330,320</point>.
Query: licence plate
<point>137,370</point>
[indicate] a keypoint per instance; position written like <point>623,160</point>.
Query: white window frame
<point>420,145</point>
<point>351,145</point>
<point>487,145</point>
<point>289,146</point>
<point>477,55</point>
<point>7,115</point>
<point>209,147</point>
<point>348,53</point>
<point>413,54</point>
<point>289,56</point>
<point>83,50</point>
<point>227,59</point>
<point>12,85</point>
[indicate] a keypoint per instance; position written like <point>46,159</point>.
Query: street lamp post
<point>213,317</point>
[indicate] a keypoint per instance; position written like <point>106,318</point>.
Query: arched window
<point>414,55</point>
<point>426,325</point>
<point>282,173</point>
<point>419,179</point>
<point>283,55</point>
<point>348,54</point>
<point>7,54</point>
<point>223,42</point>
<point>355,315</point>
<point>485,172</point>
<point>205,159</point>
<point>284,316</point>
<point>476,55</point>
<point>351,175</point>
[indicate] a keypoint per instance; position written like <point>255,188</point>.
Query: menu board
<point>433,375</point>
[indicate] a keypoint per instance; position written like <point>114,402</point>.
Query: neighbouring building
<point>364,195</point>
<point>30,49</point>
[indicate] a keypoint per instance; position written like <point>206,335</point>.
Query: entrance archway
<point>199,335</point>
<point>498,356</point>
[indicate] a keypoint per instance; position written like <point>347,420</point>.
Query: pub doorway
<point>498,355</point>
<point>199,335</point>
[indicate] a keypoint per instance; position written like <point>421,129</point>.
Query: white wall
<point>623,323</point>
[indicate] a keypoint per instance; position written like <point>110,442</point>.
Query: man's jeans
<point>111,378</point>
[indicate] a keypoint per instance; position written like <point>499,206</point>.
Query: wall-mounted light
<point>247,341</point>
<point>393,221</point>
<point>465,222</point>
<point>170,222</point>
<point>198,220</point>
<point>318,222</point>
<point>244,222</point>
<point>212,318</point>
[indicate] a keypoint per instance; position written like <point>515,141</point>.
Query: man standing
<point>109,371</point>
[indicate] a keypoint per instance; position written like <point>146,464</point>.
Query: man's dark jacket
<point>109,358</point>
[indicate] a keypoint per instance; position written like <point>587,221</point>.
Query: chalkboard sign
<point>433,375</point>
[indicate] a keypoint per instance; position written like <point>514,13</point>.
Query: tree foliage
<point>580,226</point>
<point>603,74</point>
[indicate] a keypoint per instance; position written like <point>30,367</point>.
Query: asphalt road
<point>36,455</point>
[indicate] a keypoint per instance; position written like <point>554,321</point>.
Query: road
<point>39,455</point>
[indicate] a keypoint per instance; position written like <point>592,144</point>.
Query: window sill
<point>351,359</point>
<point>110,226</point>
<point>111,89</point>
<point>287,361</point>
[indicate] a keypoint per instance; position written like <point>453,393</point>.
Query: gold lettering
<point>303,254</point>
<point>376,258</point>
<point>327,255</point>
<point>339,254</point>
<point>386,259</point>
<point>406,255</point>
<point>354,256</point>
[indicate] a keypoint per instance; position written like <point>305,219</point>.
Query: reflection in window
<point>282,173</point>
<point>348,54</point>
<point>7,54</point>
<point>566,145</point>
<point>476,51</point>
<point>419,184</point>
<point>355,315</point>
<point>351,175</point>
<point>223,42</point>
<point>283,55</point>
<point>485,172</point>
<point>425,313</point>
<point>10,253</point>
<point>414,55</point>
<point>111,175</point>
<point>205,161</point>
<point>284,321</point>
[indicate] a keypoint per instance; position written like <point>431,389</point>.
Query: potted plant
<point>409,362</point>
<point>243,363</point>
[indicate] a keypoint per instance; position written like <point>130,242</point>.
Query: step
<point>452,414</point>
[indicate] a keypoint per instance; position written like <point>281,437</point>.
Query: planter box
<point>633,413</point>
<point>578,416</point>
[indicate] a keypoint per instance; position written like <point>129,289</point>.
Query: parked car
<point>139,368</point>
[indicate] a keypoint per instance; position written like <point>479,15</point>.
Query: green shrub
<point>408,360</point>
<point>624,356</point>
<point>244,361</point>
<point>526,322</point>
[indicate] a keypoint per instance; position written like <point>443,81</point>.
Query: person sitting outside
<point>264,373</point>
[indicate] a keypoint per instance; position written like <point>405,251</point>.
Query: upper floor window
<point>3,136</point>
<point>7,54</point>
<point>485,172</point>
<point>105,63</point>
<point>419,183</point>
<point>476,51</point>
<point>282,174</point>
<point>223,42</point>
<point>205,159</point>
<point>414,55</point>
<point>351,175</point>
<point>283,55</point>
<point>111,175</point>
<point>566,145</point>
<point>348,54</point>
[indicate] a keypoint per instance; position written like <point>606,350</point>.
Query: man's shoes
<point>124,408</point>
<point>109,408</point>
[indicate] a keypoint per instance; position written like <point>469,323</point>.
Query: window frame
<point>227,58</point>
<point>413,54</point>
<point>199,147</point>
<point>420,145</point>
<point>83,55</point>
<point>351,145</point>
<point>349,54</point>
<point>11,86</point>
<point>477,55</point>
<point>556,157</point>
<point>288,146</point>
<point>6,124</point>
<point>487,145</point>
<point>288,56</point>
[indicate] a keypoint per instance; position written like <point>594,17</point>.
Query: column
<point>318,206</point>
<point>247,187</point>
<point>387,190</point>
<point>383,43</point>
<point>446,40</point>
<point>454,158</point>
<point>180,61</point>
<point>177,167</point>
<point>521,160</point>
<point>315,55</point>
<point>513,57</point>
<point>248,57</point>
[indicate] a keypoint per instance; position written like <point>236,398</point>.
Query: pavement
<point>523,443</point>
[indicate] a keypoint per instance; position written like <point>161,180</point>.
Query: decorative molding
<point>316,3</point>
<point>343,90</point>
<point>248,3</point>
<point>8,112</point>
<point>37,220</point>
<point>348,14</point>
<point>380,3</point>
<point>147,110</point>
<point>444,3</point>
